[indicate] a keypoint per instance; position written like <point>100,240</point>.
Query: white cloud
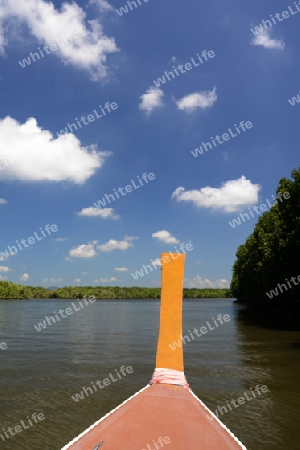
<point>4,269</point>
<point>121,269</point>
<point>264,39</point>
<point>151,100</point>
<point>166,237</point>
<point>103,5</point>
<point>89,250</point>
<point>203,100</point>
<point>53,280</point>
<point>156,262</point>
<point>40,157</point>
<point>105,280</point>
<point>84,273</point>
<point>112,244</point>
<point>83,251</point>
<point>104,213</point>
<point>59,239</point>
<point>3,39</point>
<point>24,277</point>
<point>88,51</point>
<point>225,155</point>
<point>3,201</point>
<point>231,196</point>
<point>77,280</point>
<point>201,283</point>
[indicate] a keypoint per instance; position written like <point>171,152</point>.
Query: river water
<point>41,371</point>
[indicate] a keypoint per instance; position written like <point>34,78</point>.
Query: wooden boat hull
<point>159,410</point>
<point>166,412</point>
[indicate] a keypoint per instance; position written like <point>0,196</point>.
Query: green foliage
<point>206,293</point>
<point>10,290</point>
<point>271,253</point>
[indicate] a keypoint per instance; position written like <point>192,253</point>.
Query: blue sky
<point>103,57</point>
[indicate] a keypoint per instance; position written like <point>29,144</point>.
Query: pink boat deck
<point>160,410</point>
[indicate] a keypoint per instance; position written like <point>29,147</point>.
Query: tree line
<point>268,262</point>
<point>9,290</point>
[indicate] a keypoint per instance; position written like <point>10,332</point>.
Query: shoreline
<point>13,291</point>
<point>112,299</point>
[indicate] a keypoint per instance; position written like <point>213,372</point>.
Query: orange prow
<point>170,328</point>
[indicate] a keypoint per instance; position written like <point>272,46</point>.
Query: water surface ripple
<point>40,371</point>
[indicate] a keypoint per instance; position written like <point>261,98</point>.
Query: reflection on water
<point>40,371</point>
